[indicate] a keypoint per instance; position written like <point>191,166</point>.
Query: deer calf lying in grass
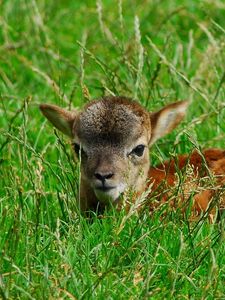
<point>113,135</point>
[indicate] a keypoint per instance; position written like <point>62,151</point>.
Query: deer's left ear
<point>61,118</point>
<point>166,119</point>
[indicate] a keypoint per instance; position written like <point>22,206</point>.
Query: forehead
<point>111,120</point>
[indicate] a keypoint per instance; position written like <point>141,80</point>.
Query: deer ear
<point>166,119</point>
<point>61,118</point>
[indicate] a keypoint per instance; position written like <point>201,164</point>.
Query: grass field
<point>68,52</point>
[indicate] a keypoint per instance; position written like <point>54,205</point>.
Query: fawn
<point>113,135</point>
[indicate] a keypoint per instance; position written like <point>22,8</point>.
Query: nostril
<point>99,176</point>
<point>103,177</point>
<point>108,176</point>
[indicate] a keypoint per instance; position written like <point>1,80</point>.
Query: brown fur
<point>210,166</point>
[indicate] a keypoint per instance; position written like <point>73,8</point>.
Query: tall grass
<point>68,52</point>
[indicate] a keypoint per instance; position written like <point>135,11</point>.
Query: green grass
<point>68,52</point>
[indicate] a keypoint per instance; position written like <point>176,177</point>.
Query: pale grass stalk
<point>67,294</point>
<point>140,51</point>
<point>218,26</point>
<point>208,34</point>
<point>198,121</point>
<point>50,82</point>
<point>92,56</point>
<point>108,90</point>
<point>57,236</point>
<point>181,75</point>
<point>28,147</point>
<point>100,63</point>
<point>179,259</point>
<point>38,21</point>
<point>180,55</point>
<point>104,29</point>
<point>58,57</point>
<point>99,11</point>
<point>84,88</point>
<point>176,55</point>
<point>134,207</point>
<point>195,143</point>
<point>82,71</point>
<point>189,49</point>
<point>120,9</point>
<point>6,79</point>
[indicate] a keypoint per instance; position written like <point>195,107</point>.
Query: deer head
<point>113,136</point>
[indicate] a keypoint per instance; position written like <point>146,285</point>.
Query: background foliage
<point>68,52</point>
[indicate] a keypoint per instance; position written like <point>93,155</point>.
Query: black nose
<point>103,176</point>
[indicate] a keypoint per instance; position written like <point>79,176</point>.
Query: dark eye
<point>139,150</point>
<point>76,148</point>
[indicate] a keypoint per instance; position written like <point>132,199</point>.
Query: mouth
<point>104,188</point>
<point>106,193</point>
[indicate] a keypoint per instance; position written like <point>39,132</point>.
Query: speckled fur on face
<point>111,120</point>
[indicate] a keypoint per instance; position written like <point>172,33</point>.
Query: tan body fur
<point>113,135</point>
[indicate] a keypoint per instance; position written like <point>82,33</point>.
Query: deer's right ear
<point>61,118</point>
